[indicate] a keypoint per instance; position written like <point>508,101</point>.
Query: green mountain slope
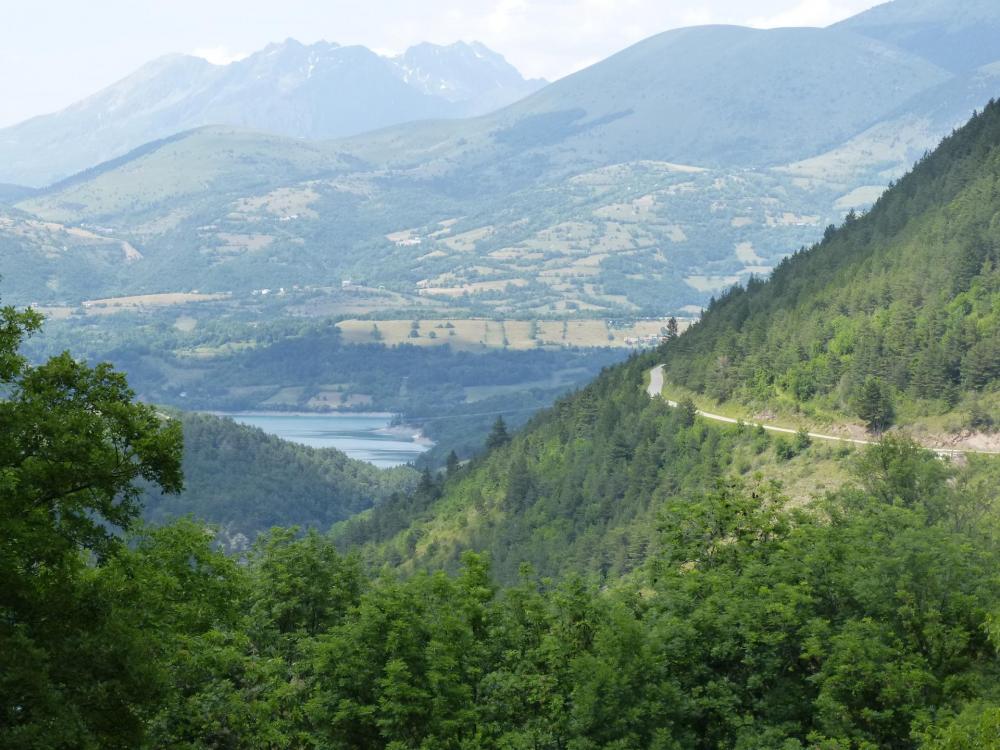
<point>10,193</point>
<point>581,488</point>
<point>261,212</point>
<point>908,294</point>
<point>94,239</point>
<point>709,95</point>
<point>639,186</point>
<point>904,301</point>
<point>178,171</point>
<point>887,150</point>
<point>245,481</point>
<point>46,261</point>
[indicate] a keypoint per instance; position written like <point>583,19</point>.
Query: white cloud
<point>505,15</point>
<point>811,13</point>
<point>219,55</point>
<point>697,17</point>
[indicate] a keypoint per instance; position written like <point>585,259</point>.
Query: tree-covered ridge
<point>577,490</point>
<point>908,294</point>
<point>246,481</point>
<point>864,624</point>
<point>868,620</point>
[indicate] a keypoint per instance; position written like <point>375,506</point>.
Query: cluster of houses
<point>345,285</point>
<point>650,340</point>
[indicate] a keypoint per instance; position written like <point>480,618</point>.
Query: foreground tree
<point>75,447</point>
<point>856,623</point>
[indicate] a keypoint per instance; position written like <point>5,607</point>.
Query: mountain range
<point>316,91</point>
<point>642,185</point>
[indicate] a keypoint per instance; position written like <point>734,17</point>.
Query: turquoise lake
<point>362,436</point>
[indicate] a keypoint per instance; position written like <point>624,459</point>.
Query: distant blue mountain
<point>959,35</point>
<point>314,91</point>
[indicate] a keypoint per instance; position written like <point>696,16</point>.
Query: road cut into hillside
<point>655,390</point>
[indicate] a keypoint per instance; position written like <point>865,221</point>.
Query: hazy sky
<point>54,52</point>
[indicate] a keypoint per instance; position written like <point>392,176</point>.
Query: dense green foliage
<point>908,294</point>
<point>864,623</point>
<point>245,481</point>
<point>576,491</point>
<point>74,445</point>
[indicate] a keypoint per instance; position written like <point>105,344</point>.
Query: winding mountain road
<point>655,390</point>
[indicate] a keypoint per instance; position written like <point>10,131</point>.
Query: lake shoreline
<point>407,431</point>
<point>369,437</point>
<point>265,413</point>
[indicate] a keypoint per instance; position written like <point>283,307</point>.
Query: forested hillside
<point>903,303</point>
<point>865,621</point>
<point>578,490</point>
<point>895,315</point>
<point>245,482</point>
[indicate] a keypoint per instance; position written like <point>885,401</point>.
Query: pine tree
<point>874,405</point>
<point>519,485</point>
<point>981,364</point>
<point>427,487</point>
<point>452,463</point>
<point>687,411</point>
<point>498,435</point>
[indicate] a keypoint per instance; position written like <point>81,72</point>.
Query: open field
<point>169,299</point>
<point>55,312</point>
<point>478,334</point>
